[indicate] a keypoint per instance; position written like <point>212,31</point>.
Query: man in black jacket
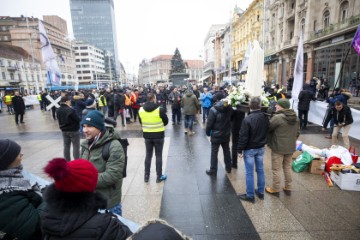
<point>252,141</point>
<point>217,127</point>
<point>69,123</point>
<point>305,97</point>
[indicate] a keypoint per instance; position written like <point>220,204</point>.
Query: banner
<point>49,58</point>
<point>356,41</point>
<point>298,71</point>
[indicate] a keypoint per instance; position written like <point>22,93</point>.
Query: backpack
<point>106,152</point>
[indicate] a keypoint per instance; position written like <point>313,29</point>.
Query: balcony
<point>11,69</point>
<point>352,21</point>
<point>291,14</point>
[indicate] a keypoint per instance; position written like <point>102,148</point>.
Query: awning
<point>204,78</point>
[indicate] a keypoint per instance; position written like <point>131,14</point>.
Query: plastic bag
<point>340,152</point>
<point>353,154</point>
<point>301,162</point>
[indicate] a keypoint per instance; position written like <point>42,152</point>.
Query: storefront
<point>329,57</point>
<point>271,69</point>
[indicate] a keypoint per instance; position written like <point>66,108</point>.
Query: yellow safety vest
<point>39,97</point>
<point>151,121</point>
<point>8,99</point>
<point>101,104</point>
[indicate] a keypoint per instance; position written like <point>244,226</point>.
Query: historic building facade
<point>327,28</point>
<point>24,33</point>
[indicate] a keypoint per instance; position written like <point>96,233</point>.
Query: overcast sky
<point>145,28</point>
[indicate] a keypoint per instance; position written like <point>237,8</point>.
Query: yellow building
<point>246,27</point>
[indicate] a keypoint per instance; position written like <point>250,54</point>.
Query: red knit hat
<point>78,175</point>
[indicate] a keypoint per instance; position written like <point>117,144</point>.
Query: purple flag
<point>356,41</point>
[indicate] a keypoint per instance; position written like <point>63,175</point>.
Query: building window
<point>344,10</point>
<point>3,75</point>
<point>314,25</point>
<point>326,18</point>
<point>19,75</point>
<point>303,26</point>
<point>11,76</point>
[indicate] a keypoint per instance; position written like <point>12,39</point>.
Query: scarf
<point>12,180</point>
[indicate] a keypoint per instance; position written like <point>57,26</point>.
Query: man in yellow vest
<point>8,101</point>
<point>153,120</point>
<point>102,102</point>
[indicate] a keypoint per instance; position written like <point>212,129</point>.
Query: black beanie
<point>9,150</point>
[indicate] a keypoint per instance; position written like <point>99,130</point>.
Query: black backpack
<point>106,152</point>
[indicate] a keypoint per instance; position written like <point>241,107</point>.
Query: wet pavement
<point>206,207</point>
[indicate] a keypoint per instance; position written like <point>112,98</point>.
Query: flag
<point>298,70</point>
<point>49,58</point>
<point>356,41</point>
<point>246,58</point>
<point>62,58</point>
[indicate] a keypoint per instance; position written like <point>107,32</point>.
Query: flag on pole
<point>246,58</point>
<point>298,71</point>
<point>49,58</point>
<point>356,41</point>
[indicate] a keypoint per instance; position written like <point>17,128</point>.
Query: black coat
<point>305,97</point>
<point>18,104</point>
<point>342,117</point>
<point>69,121</point>
<point>76,216</point>
<point>218,123</point>
<point>253,131</point>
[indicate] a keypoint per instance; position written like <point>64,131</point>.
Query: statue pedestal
<point>178,79</point>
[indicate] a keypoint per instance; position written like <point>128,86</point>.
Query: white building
<point>90,64</point>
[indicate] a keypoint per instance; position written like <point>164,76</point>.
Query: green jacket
<point>190,104</point>
<point>20,214</point>
<point>110,171</point>
<point>283,132</point>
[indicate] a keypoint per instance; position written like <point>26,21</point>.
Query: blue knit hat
<point>94,118</point>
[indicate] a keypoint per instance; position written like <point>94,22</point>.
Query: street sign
<point>53,103</point>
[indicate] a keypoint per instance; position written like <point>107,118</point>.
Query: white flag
<point>246,58</point>
<point>298,71</point>
<point>49,58</point>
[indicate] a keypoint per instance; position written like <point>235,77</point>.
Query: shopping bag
<point>302,161</point>
<point>353,154</point>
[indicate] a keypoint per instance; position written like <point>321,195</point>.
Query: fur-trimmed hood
<point>158,229</point>
<point>66,212</point>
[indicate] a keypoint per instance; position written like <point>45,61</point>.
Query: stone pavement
<point>204,207</point>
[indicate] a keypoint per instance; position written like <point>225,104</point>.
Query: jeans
<point>254,157</point>
<point>117,209</point>
<point>176,113</point>
<point>189,121</point>
<point>74,139</point>
<point>303,117</point>
<point>234,152</point>
<point>214,155</point>
<point>205,113</point>
<point>278,162</point>
<point>150,144</point>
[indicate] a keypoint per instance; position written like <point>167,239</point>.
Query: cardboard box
<point>317,166</point>
<point>346,181</point>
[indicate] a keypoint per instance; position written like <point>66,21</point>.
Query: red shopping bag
<point>354,156</point>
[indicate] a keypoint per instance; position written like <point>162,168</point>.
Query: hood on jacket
<point>219,106</point>
<point>289,115</point>
<point>188,93</point>
<point>59,219</point>
<point>150,106</point>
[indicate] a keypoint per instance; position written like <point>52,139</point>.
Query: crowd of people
<point>91,177</point>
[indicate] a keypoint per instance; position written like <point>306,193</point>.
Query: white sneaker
<point>191,133</point>
<point>186,130</point>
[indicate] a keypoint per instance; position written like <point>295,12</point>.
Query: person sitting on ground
<point>72,204</point>
<point>20,203</point>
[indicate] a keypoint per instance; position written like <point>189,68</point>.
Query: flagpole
<point>341,70</point>
<point>32,56</point>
